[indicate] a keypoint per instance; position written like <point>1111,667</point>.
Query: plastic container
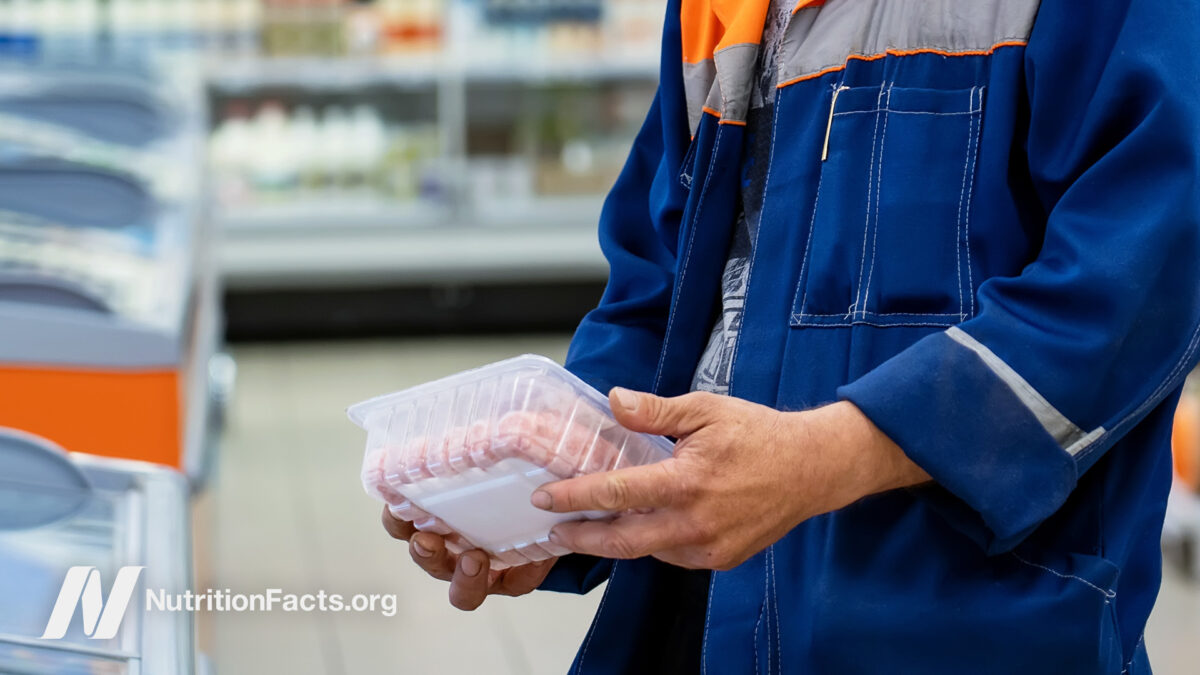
<point>461,456</point>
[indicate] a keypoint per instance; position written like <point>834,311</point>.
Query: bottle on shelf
<point>309,153</point>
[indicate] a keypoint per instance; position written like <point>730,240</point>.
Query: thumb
<point>676,416</point>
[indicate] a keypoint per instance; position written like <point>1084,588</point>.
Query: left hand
<point>742,476</point>
<point>471,581</point>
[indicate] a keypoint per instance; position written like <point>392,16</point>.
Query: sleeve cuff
<point>984,435</point>
<point>576,573</point>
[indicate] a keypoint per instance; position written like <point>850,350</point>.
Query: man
<point>958,244</point>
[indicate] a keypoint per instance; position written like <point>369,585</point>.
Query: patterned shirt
<point>713,372</point>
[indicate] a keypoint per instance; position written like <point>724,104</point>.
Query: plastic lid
<point>39,483</point>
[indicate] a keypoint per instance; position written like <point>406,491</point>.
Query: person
<point>915,285</point>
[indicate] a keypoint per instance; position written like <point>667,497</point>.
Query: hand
<point>471,581</point>
<point>742,476</point>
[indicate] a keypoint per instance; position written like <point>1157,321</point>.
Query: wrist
<point>865,460</point>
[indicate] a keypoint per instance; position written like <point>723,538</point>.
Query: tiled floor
<point>285,510</point>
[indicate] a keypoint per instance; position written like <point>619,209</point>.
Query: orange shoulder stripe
<point>900,52</point>
<point>708,26</point>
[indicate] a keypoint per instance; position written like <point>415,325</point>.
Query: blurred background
<point>222,222</point>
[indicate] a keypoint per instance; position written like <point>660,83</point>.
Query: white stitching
<point>1163,387</point>
<point>775,599</point>
<point>969,162</point>
<point>948,314</point>
<point>958,219</point>
<point>862,259</point>
<point>976,130</point>
<point>812,223</point>
<point>1125,669</point>
<point>866,291</point>
<point>686,259</point>
<point>712,582</point>
<point>612,575</point>
<point>754,644</point>
<point>798,320</point>
<point>1108,594</point>
<point>902,112</point>
<point>688,169</point>
<point>1179,366</point>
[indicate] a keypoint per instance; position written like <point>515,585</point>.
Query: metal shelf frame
<point>330,258</point>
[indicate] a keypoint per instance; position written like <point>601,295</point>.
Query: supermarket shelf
<point>550,212</point>
<point>337,74</point>
<point>333,257</point>
<point>343,214</point>
<point>346,74</point>
<point>551,68</point>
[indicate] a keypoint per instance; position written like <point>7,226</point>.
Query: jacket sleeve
<point>1006,410</point>
<point>618,343</point>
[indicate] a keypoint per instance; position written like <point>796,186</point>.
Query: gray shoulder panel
<point>840,30</point>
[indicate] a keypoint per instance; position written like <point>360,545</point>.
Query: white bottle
<point>334,154</point>
<point>231,151</point>
<point>367,144</point>
<point>306,145</point>
<point>273,160</point>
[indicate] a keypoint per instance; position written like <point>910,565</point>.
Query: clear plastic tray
<point>461,456</point>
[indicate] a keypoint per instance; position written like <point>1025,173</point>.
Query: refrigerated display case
<point>364,170</point>
<point>108,289</point>
<point>61,510</point>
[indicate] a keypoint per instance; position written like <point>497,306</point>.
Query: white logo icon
<point>101,619</point>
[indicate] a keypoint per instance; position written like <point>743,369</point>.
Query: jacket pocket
<point>888,240</point>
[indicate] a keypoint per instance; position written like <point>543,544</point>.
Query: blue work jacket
<point>981,225</point>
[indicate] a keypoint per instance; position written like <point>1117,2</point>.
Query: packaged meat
<point>462,455</point>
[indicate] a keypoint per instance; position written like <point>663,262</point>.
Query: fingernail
<point>422,551</point>
<point>555,538</point>
<point>626,398</point>
<point>542,500</point>
<point>470,565</point>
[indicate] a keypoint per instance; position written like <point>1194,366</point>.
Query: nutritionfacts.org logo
<point>81,590</point>
<point>101,618</point>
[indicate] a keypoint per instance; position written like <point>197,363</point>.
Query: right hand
<point>471,581</point>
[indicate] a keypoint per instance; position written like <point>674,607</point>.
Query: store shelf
<point>336,257</point>
<point>556,68</point>
<point>550,212</point>
<point>423,71</point>
<point>322,73</point>
<point>342,213</point>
